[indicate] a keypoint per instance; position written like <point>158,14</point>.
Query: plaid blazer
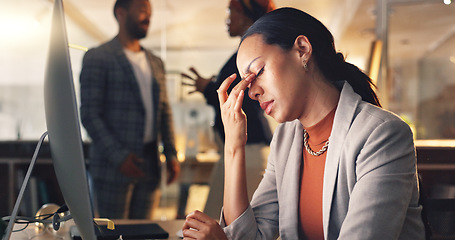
<point>113,113</point>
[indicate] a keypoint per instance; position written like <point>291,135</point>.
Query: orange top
<point>311,180</point>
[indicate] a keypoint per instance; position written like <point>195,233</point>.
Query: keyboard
<point>126,231</point>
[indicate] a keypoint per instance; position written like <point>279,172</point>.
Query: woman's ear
<point>303,46</point>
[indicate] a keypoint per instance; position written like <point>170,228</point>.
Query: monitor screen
<point>63,127</point>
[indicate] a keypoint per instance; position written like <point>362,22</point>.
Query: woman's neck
<point>324,99</point>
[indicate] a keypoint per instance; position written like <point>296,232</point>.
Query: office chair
<point>438,213</point>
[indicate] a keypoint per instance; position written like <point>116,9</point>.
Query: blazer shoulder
<point>371,118</point>
<point>367,111</point>
<point>103,51</point>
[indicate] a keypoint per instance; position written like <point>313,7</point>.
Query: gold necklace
<point>309,150</point>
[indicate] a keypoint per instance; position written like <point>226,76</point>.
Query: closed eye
<point>260,72</point>
<point>257,75</point>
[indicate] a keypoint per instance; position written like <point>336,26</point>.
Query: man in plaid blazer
<point>125,110</point>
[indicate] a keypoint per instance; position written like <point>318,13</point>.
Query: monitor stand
<point>13,216</point>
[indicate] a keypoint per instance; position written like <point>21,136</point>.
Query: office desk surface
<point>32,232</point>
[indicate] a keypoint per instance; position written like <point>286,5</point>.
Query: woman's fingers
<point>239,101</point>
<point>194,220</point>
<point>200,226</point>
<point>222,90</point>
<point>242,85</point>
<point>189,229</point>
<point>200,216</point>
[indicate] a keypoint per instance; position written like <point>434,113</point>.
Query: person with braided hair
<point>242,14</point>
<point>340,166</point>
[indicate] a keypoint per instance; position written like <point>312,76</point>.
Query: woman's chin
<point>278,119</point>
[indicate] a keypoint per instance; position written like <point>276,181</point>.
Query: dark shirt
<point>258,128</point>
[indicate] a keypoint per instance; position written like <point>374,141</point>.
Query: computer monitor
<point>64,133</point>
<point>63,127</point>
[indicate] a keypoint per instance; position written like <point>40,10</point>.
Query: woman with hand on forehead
<point>340,166</point>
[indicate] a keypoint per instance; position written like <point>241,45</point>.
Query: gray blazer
<point>370,183</point>
<point>113,113</point>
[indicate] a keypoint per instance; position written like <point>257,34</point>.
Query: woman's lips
<point>267,107</point>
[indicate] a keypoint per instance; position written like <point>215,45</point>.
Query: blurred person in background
<point>242,14</point>
<point>125,110</point>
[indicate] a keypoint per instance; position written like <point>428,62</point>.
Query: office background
<point>416,48</point>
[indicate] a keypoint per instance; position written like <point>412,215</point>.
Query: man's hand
<point>173,170</point>
<point>199,82</point>
<point>129,167</point>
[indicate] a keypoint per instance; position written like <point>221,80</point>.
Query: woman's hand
<point>234,119</point>
<point>200,226</point>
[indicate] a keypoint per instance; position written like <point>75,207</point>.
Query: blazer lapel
<point>155,85</point>
<point>289,203</point>
<point>344,114</point>
<point>126,67</point>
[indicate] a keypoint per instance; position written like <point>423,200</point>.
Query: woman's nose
<point>252,92</point>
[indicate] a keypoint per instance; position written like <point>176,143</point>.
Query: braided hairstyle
<point>282,26</point>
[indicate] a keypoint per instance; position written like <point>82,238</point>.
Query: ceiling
<point>416,26</point>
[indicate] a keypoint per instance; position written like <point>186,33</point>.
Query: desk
<point>171,226</point>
